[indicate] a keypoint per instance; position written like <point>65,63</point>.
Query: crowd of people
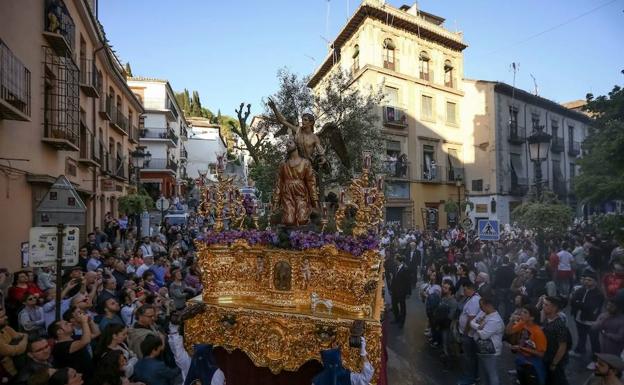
<point>541,302</point>
<point>121,308</point>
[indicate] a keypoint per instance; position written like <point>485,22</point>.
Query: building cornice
<point>397,19</point>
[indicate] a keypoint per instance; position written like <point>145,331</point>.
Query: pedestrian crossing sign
<point>489,230</point>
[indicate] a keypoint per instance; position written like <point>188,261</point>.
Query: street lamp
<point>139,159</point>
<point>539,146</point>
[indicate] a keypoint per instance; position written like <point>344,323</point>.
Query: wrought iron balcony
<point>396,169</point>
<point>90,81</point>
<point>183,153</point>
<point>106,106</point>
<point>14,86</point>
<point>133,134</point>
<point>394,116</point>
<point>159,134</point>
<point>391,63</point>
<point>118,120</point>
<point>426,75</point>
<point>517,134</point>
<point>431,174</point>
<point>455,174</point>
<point>519,186</point>
<point>574,148</point>
<point>88,155</point>
<point>59,28</point>
<point>161,164</point>
<point>557,144</point>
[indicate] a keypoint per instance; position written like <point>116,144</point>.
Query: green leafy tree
<point>546,216</point>
<point>602,165</point>
<point>135,204</point>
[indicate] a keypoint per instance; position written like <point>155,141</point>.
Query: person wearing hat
<point>334,373</point>
<point>608,370</point>
<point>586,304</point>
<point>610,326</point>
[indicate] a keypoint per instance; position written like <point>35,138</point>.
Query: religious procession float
<point>286,280</point>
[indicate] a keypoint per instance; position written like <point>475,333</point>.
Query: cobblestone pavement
<point>411,361</point>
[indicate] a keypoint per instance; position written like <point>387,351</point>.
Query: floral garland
<point>296,240</point>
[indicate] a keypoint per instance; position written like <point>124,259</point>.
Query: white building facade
<point>501,174</point>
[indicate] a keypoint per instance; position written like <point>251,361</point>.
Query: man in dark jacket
<point>150,369</point>
<point>503,278</point>
<point>586,305</point>
<point>399,290</point>
<point>412,260</point>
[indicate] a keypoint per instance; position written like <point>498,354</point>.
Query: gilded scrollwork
<point>281,340</point>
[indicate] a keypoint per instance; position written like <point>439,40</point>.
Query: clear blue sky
<point>230,51</point>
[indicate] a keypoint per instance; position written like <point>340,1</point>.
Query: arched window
<point>389,61</point>
<point>423,65</point>
<point>448,74</point>
<point>356,58</point>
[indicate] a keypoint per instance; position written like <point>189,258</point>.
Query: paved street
<point>411,361</point>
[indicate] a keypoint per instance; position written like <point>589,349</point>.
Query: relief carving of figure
<point>305,273</point>
<point>282,274</point>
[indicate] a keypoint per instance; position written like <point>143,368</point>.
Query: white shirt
<point>493,329</point>
<point>471,309</point>
<point>565,260</point>
<point>147,250</point>
<point>365,377</point>
<point>142,269</point>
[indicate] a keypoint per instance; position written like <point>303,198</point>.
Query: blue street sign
<point>488,230</point>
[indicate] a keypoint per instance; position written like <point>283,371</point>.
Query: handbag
<point>485,346</point>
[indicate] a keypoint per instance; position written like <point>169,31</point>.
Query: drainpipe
<point>95,131</point>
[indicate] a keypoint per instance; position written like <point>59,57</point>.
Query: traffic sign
<point>43,246</point>
<point>489,230</point>
<point>162,204</point>
<point>61,205</point>
<point>467,224</point>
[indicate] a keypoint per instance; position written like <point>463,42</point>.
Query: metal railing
<point>517,134</point>
<point>431,174</point>
<point>133,133</point>
<point>519,186</point>
<point>159,133</point>
<point>574,148</point>
<point>89,75</point>
<point>396,169</point>
<point>392,64</point>
<point>14,81</point>
<point>183,153</point>
<point>557,144</point>
<point>161,164</point>
<point>427,76</point>
<point>394,116</point>
<point>57,20</point>
<point>454,174</point>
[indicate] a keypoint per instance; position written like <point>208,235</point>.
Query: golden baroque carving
<point>281,340</point>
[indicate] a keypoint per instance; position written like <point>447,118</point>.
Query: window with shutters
<point>426,107</point>
<point>451,113</point>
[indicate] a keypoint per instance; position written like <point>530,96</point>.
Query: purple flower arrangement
<point>297,240</point>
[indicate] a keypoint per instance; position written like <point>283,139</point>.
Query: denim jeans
<point>470,365</point>
<point>488,369</point>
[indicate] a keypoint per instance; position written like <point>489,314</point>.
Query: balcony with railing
<point>183,153</point>
<point>574,148</point>
<point>88,149</point>
<point>159,134</point>
<point>61,102</point>
<point>120,169</point>
<point>396,169</point>
<point>560,188</point>
<point>517,134</point>
<point>106,106</point>
<point>183,132</point>
<point>431,174</point>
<point>519,186</point>
<point>557,144</point>
<point>161,164</point>
<point>14,86</point>
<point>59,28</point>
<point>390,63</point>
<point>118,120</point>
<point>164,105</point>
<point>90,81</point>
<point>133,134</point>
<point>426,75</point>
<point>455,174</point>
<point>394,116</point>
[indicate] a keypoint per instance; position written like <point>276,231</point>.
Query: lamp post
<point>539,146</point>
<point>139,159</point>
<point>458,184</point>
